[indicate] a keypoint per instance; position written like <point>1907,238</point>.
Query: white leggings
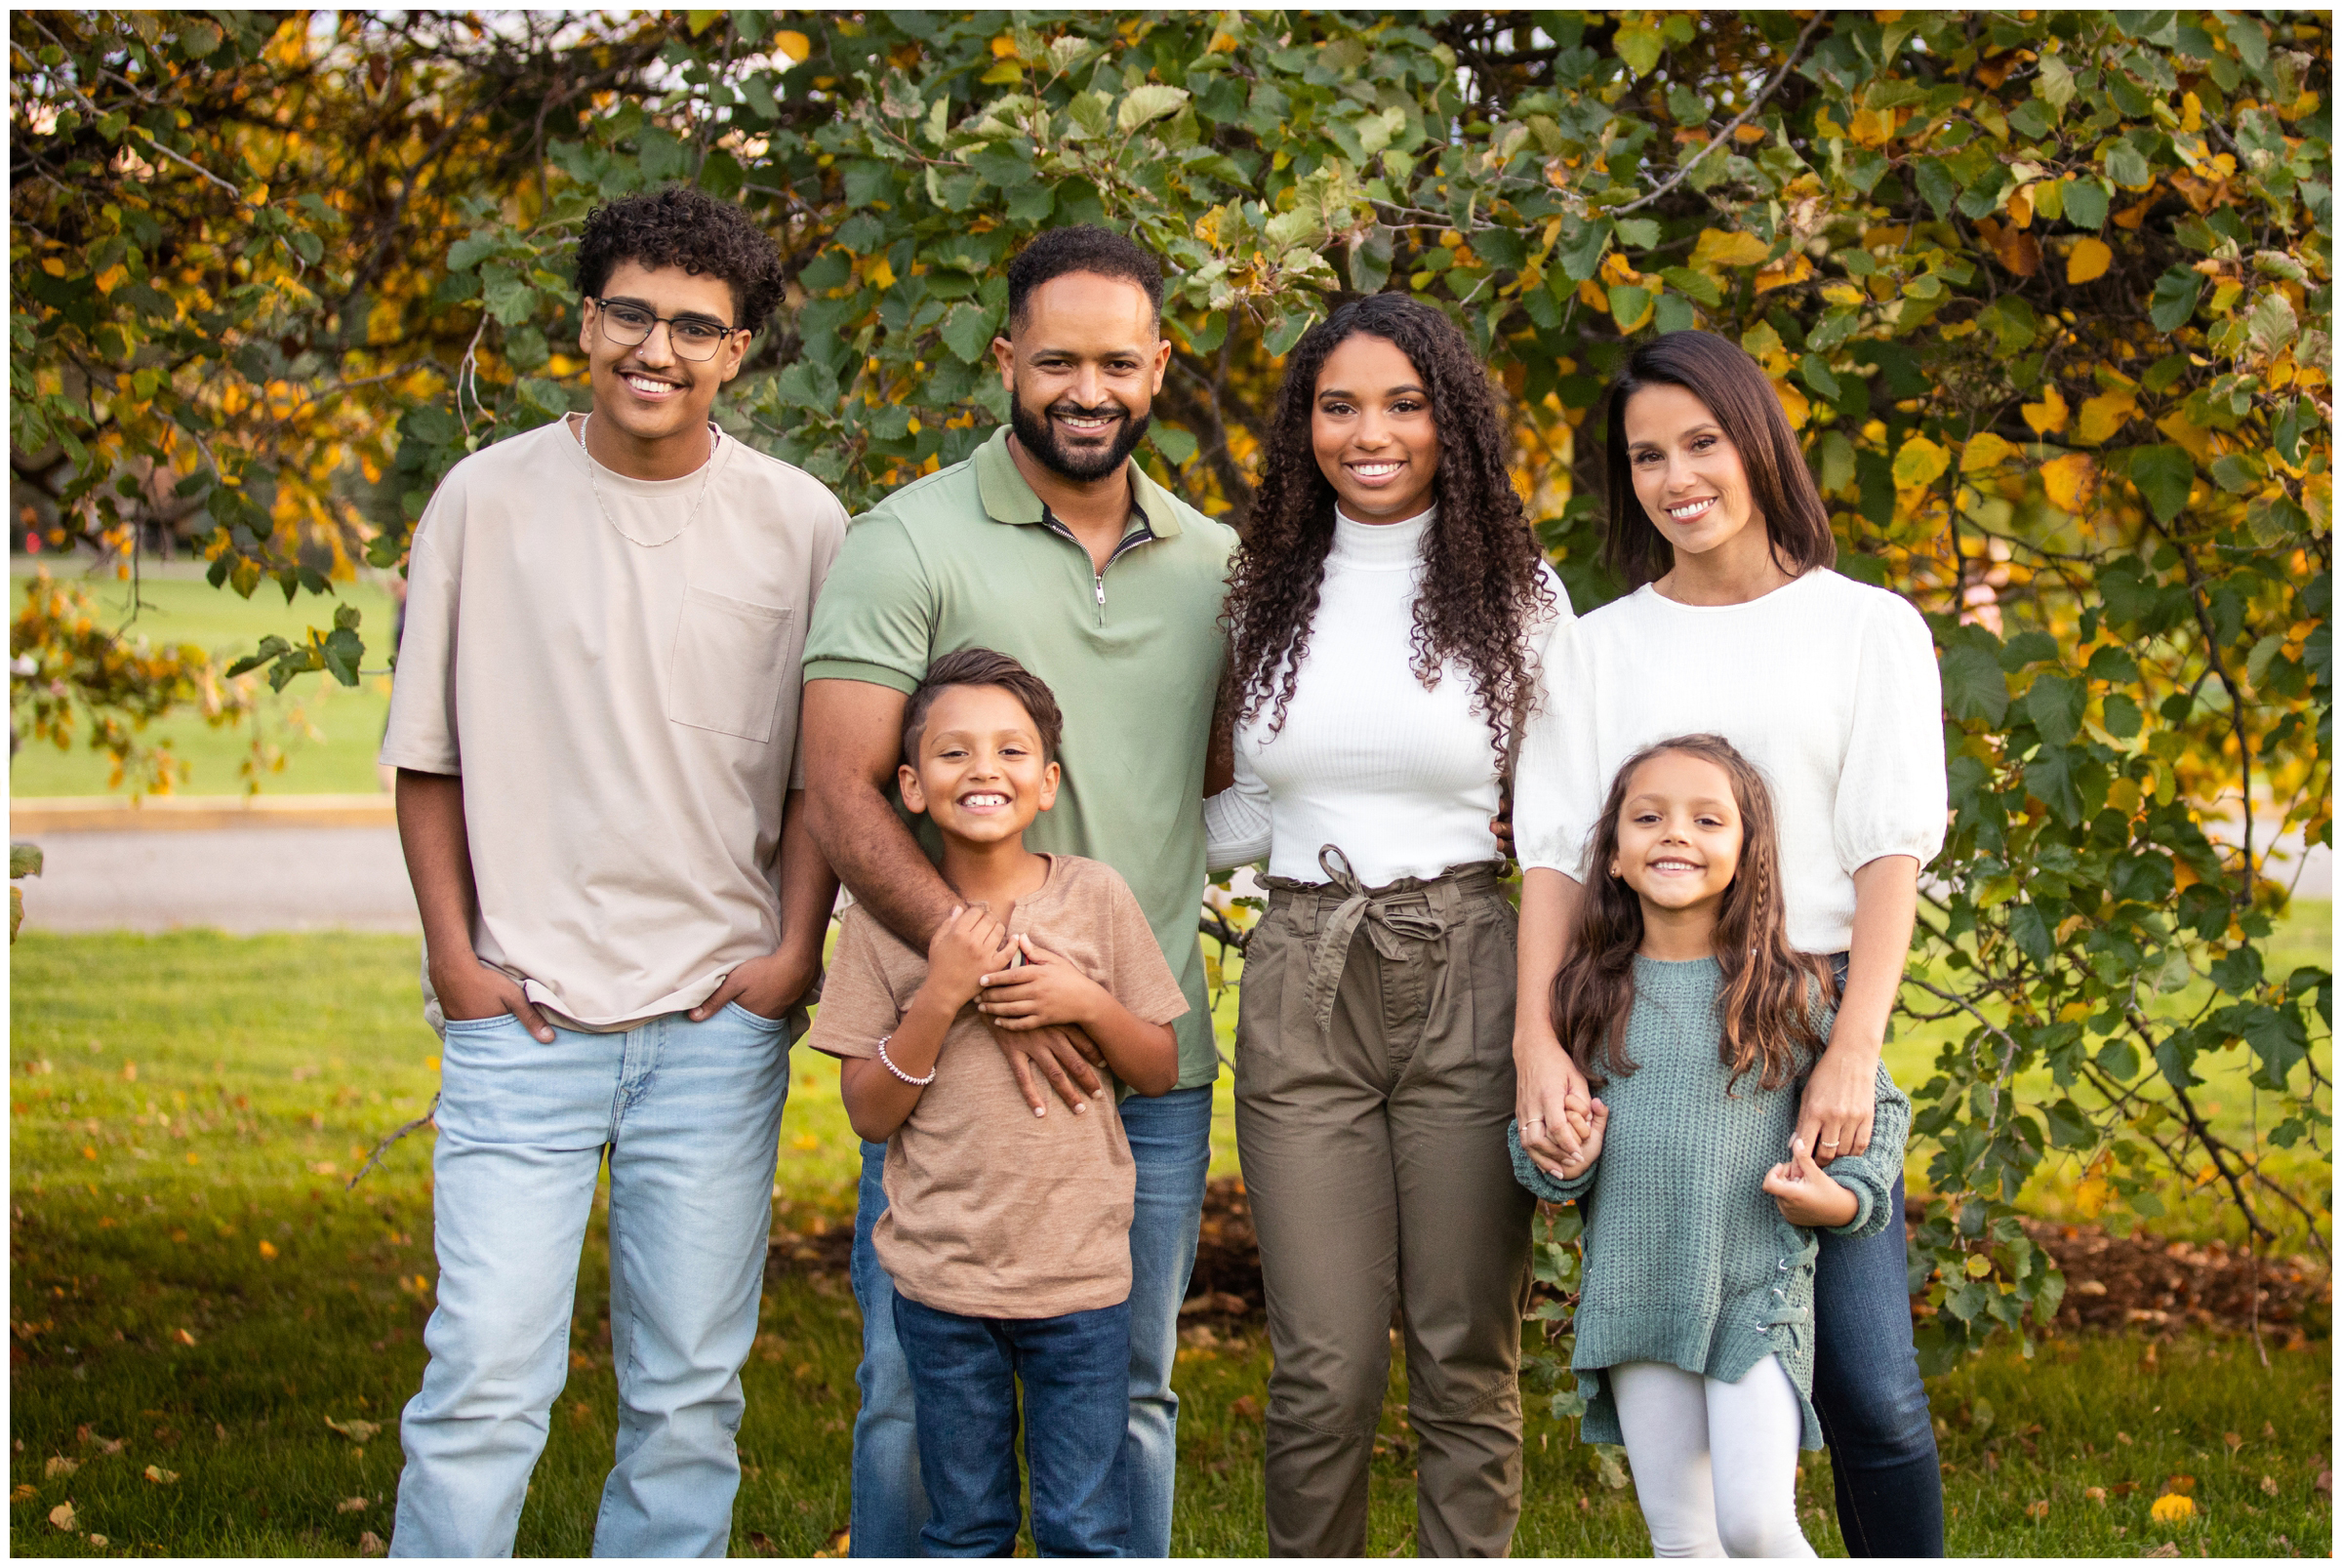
<point>1716,1464</point>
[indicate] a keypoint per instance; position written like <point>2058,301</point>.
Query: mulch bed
<point>2110,1281</point>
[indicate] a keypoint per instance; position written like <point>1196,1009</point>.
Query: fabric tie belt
<point>1393,918</point>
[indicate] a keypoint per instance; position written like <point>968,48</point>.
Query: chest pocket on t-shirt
<point>726,673</point>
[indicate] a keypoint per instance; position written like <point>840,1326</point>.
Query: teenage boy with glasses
<point>600,798</point>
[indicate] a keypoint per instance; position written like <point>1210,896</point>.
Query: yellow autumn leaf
<point>1795,267</point>
<point>1978,1266</point>
<point>2196,439</point>
<point>1985,451</point>
<point>2091,1196</point>
<point>1616,269</point>
<point>1919,462</point>
<point>2101,416</point>
<point>2049,415</point>
<point>1590,295</point>
<point>1873,128</point>
<point>112,278</point>
<point>1794,404</point>
<point>2172,1509</point>
<point>2089,259</point>
<point>1843,294</point>
<point>269,1251</point>
<point>794,47</point>
<point>161,1476</point>
<point>62,1516</point>
<point>1004,47</point>
<point>1715,248</point>
<point>880,274</point>
<point>2069,482</point>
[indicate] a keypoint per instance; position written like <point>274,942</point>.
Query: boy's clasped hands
<point>1014,982</point>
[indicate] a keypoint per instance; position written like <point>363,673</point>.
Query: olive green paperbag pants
<point>1374,1078</point>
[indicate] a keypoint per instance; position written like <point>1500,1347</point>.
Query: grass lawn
<point>327,733</point>
<point>195,1298</point>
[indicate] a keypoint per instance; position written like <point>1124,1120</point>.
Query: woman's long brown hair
<point>1765,1007</point>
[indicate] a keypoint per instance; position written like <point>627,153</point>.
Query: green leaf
<point>1936,185</point>
<point>1974,688</point>
<point>2056,704</point>
<point>2085,203</point>
<point>342,651</point>
<point>2050,778</point>
<point>2175,295</point>
<point>1176,445</point>
<point>2031,934</point>
<point>2164,476</point>
<point>968,332</point>
<point>1150,101</point>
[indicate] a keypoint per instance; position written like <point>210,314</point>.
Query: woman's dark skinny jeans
<point>1868,1393</point>
<point>1872,1405</point>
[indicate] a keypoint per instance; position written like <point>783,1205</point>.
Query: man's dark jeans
<point>1075,1372</point>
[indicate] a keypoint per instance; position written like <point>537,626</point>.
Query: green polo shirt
<point>968,557</point>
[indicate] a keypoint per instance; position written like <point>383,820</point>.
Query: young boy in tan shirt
<point>1006,1230</point>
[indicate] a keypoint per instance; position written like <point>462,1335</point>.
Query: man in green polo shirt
<point>1050,545</point>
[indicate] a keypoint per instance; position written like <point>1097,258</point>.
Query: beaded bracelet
<point>915,1083</point>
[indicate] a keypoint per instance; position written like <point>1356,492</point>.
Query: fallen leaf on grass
<point>2123,1438</point>
<point>25,1491</point>
<point>62,1516</point>
<point>2269,1485</point>
<point>2179,1485</point>
<point>2172,1508</point>
<point>351,1505</point>
<point>269,1250</point>
<point>2124,1488</point>
<point>371,1545</point>
<point>2095,1493</point>
<point>762,1545</point>
<point>580,1413</point>
<point>358,1431</point>
<point>182,1336</point>
<point>2038,1509</point>
<point>1248,1407</point>
<point>96,1539</point>
<point>2170,1549</point>
<point>2233,1440</point>
<point>57,1466</point>
<point>161,1476</point>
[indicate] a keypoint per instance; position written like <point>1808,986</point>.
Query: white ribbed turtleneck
<point>1402,778</point>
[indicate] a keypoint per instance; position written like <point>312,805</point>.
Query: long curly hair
<point>1764,1008</point>
<point>1481,587</point>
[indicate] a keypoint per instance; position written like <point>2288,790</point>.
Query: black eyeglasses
<point>693,337</point>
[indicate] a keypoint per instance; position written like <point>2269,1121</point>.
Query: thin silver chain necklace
<point>706,473</point>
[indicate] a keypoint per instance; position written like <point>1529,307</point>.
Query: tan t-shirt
<point>991,1211</point>
<point>615,677</point>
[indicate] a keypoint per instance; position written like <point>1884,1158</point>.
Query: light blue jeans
<point>690,1117</point>
<point>1171,1144</point>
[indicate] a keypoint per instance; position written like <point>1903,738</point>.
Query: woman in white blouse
<point>1388,611</point>
<point>1737,626</point>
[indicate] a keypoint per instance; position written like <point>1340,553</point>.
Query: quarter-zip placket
<point>1142,535</point>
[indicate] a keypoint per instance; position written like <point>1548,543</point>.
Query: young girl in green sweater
<point>1682,1002</point>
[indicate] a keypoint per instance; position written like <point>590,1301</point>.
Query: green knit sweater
<point>1688,1261</point>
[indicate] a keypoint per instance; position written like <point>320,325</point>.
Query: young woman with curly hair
<point>1388,613</point>
<point>1737,626</point>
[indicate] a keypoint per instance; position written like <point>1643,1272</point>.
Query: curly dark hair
<point>1080,248</point>
<point>679,226</point>
<point>1482,584</point>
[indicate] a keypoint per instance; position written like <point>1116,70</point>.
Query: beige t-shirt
<point>611,664</point>
<point>991,1211</point>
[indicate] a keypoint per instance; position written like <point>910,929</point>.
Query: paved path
<point>240,880</point>
<point>305,878</point>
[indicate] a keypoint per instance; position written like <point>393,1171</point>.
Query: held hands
<point>1841,1098</point>
<point>965,946</point>
<point>1043,991</point>
<point>1586,1126</point>
<point>1806,1195</point>
<point>1552,1100</point>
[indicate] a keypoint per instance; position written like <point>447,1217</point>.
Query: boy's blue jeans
<point>1171,1144</point>
<point>690,1115</point>
<point>966,1372</point>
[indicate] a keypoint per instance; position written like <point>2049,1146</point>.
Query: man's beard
<point>1038,436</point>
